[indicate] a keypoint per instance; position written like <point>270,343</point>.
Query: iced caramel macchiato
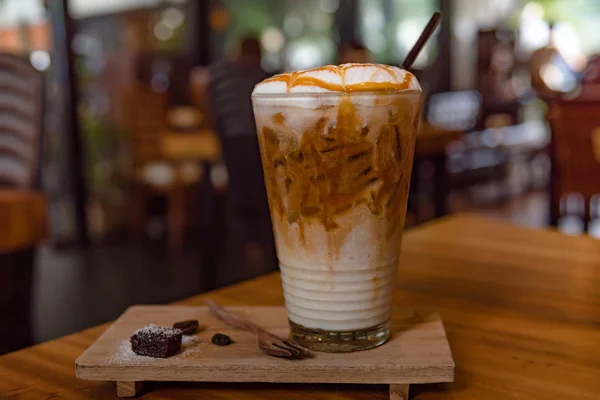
<point>337,147</point>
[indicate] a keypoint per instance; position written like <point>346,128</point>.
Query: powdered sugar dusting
<point>190,346</point>
<point>157,330</point>
<point>125,356</point>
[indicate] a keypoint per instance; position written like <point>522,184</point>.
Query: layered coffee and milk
<point>337,146</point>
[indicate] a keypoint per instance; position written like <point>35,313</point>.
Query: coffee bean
<point>221,339</point>
<point>188,327</point>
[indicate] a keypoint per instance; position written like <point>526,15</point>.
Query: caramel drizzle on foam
<point>294,79</point>
<point>342,166</point>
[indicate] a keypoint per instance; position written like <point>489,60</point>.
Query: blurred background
<point>128,168</point>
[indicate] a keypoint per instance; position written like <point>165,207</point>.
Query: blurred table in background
<point>22,228</point>
<point>431,148</point>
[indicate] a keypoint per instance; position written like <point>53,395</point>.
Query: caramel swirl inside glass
<point>337,169</point>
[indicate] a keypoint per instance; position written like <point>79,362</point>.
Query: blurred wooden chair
<point>21,115</point>
<point>575,123</point>
<point>145,112</point>
<point>430,149</point>
<point>22,207</point>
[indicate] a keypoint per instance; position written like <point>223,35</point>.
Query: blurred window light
<point>87,8</point>
<point>389,28</point>
<point>374,18</point>
<point>172,17</point>
<point>422,60</point>
<point>407,33</point>
<point>375,41</point>
<point>485,13</point>
<point>533,11</point>
<point>40,60</point>
<point>532,132</point>
<point>162,31</point>
<point>321,22</point>
<point>15,12</point>
<point>272,39</point>
<point>587,27</point>
<point>329,6</point>
<point>454,110</point>
<point>568,44</point>
<point>293,25</point>
<point>535,33</point>
<point>465,29</point>
<point>556,78</point>
<point>304,55</point>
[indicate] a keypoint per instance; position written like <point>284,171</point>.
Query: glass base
<point>340,341</point>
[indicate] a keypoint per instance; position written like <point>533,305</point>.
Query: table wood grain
<point>521,309</point>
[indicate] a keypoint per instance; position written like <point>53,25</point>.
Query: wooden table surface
<point>521,309</point>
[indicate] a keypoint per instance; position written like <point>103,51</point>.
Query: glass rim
<point>321,95</point>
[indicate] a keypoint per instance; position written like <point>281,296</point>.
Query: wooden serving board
<point>418,352</point>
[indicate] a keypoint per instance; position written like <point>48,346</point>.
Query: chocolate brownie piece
<point>156,341</point>
<point>188,327</point>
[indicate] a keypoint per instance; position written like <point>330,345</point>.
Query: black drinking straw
<point>425,35</point>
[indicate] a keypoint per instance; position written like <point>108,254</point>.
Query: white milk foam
<point>345,75</point>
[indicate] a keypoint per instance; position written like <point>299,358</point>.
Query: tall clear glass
<point>337,170</point>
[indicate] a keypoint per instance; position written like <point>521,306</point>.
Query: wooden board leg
<point>399,392</point>
<point>128,388</point>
